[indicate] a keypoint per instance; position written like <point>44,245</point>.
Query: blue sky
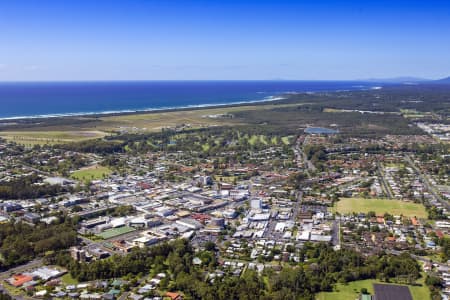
<point>191,40</point>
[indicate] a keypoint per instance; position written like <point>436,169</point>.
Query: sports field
<point>114,232</point>
<point>380,206</point>
<point>91,173</point>
<point>352,291</point>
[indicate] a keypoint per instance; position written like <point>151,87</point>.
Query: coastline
<point>270,99</point>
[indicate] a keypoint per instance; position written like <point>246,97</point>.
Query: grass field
<point>113,232</point>
<point>351,291</point>
<point>67,279</point>
<point>227,179</point>
<point>95,127</point>
<point>154,121</point>
<point>286,139</point>
<point>333,110</point>
<point>91,173</point>
<point>380,206</point>
<point>254,139</point>
<point>31,138</point>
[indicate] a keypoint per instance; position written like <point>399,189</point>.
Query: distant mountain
<point>404,79</point>
<point>442,81</point>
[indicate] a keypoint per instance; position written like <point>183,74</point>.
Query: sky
<point>223,40</point>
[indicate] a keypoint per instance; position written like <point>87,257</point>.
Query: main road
<point>22,268</point>
<point>386,188</point>
<point>425,181</point>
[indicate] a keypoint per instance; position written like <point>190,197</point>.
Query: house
<point>31,217</point>
<point>19,279</point>
<point>174,296</point>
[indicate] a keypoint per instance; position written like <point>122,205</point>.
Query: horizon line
<point>380,80</point>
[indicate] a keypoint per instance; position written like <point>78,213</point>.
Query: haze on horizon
<point>212,40</point>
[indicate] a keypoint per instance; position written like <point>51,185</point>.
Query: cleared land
<point>113,232</point>
<point>76,129</point>
<point>197,118</point>
<point>352,291</point>
<point>380,206</point>
<point>31,138</point>
<point>67,279</point>
<point>91,173</point>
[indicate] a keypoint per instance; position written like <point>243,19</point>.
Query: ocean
<point>47,99</point>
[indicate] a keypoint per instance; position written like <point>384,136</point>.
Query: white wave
<point>125,111</point>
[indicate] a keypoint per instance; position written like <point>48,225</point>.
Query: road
<point>421,258</point>
<point>386,187</point>
<point>22,268</point>
<point>296,209</point>
<point>336,233</point>
<point>425,181</point>
<point>19,269</point>
<point>25,166</point>
<point>301,157</point>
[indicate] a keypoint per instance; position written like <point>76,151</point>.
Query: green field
<point>31,138</point>
<point>352,290</point>
<point>91,173</point>
<point>227,179</point>
<point>67,279</point>
<point>113,232</point>
<point>286,139</point>
<point>380,206</point>
<point>205,147</point>
<point>253,139</point>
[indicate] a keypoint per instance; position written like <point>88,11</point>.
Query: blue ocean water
<point>38,99</point>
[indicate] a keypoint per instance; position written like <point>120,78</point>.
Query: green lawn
<point>205,147</point>
<point>286,139</point>
<point>352,290</point>
<point>227,179</point>
<point>30,138</point>
<point>253,139</point>
<point>263,139</point>
<point>380,206</point>
<point>67,279</point>
<point>113,232</point>
<point>91,173</point>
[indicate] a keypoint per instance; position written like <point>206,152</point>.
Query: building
<point>174,296</point>
<point>19,279</point>
<point>98,253</point>
<point>10,207</point>
<point>78,254</point>
<point>190,223</point>
<point>256,204</point>
<point>31,218</point>
<point>145,241</point>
